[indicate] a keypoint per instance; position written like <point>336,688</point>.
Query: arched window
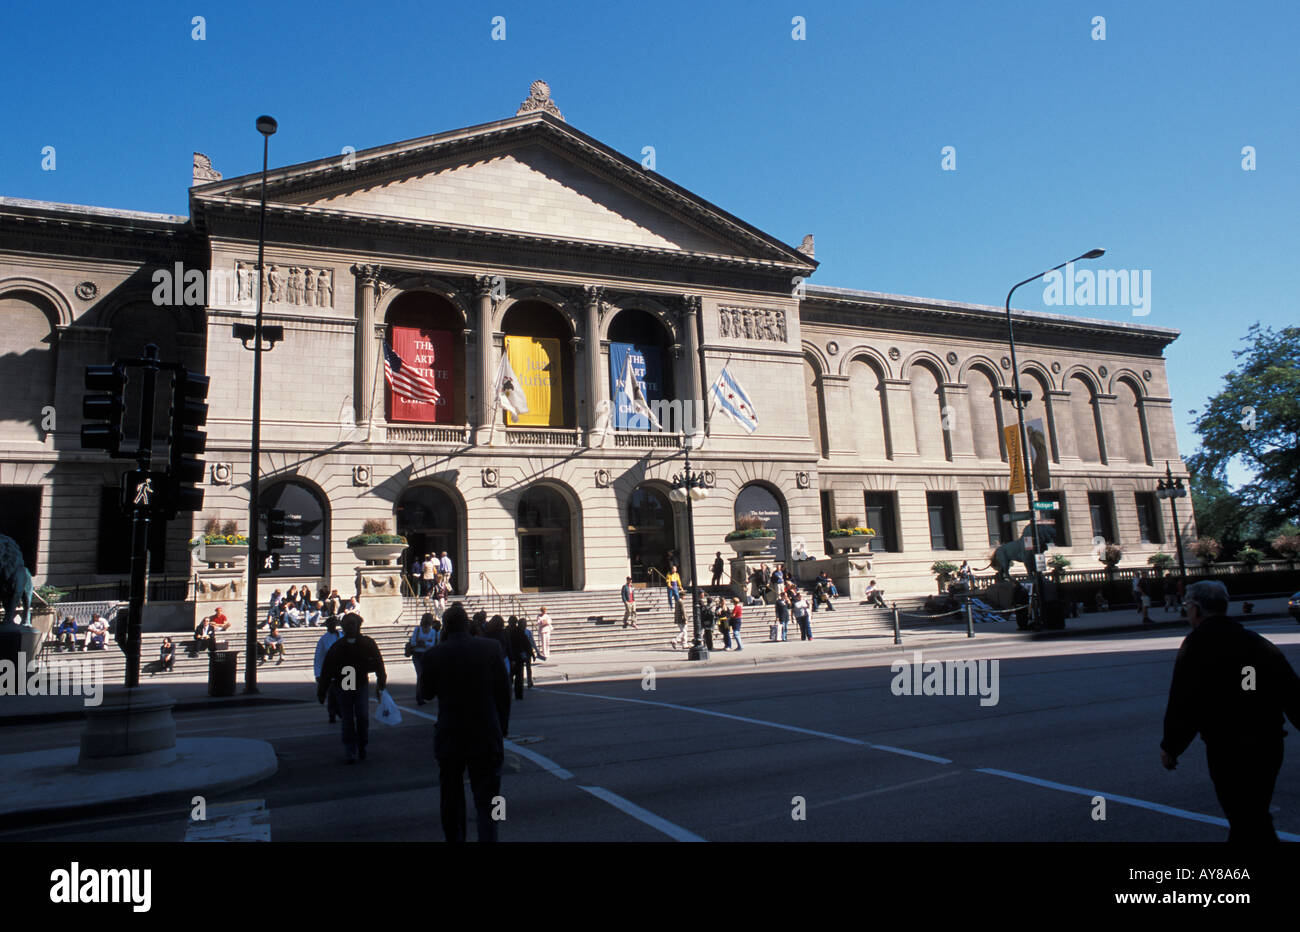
<point>1083,411</point>
<point>428,333</point>
<point>1132,423</point>
<point>639,337</point>
<point>757,498</point>
<point>932,441</point>
<point>869,409</point>
<point>26,370</point>
<point>816,404</point>
<point>306,532</point>
<point>537,342</point>
<point>985,414</point>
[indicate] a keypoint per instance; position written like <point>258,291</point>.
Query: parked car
<point>1293,606</point>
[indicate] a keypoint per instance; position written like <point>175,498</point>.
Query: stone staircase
<point>583,621</point>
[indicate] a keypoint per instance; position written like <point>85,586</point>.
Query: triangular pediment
<point>531,176</point>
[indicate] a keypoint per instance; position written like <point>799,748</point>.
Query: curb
<point>196,705</point>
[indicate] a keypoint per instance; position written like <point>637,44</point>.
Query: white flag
<point>509,394</point>
<point>634,394</point>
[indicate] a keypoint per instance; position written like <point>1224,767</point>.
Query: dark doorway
<point>429,520</point>
<point>543,523</point>
<point>651,533</point>
<point>20,518</point>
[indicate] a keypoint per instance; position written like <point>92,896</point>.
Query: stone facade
<point>529,226</point>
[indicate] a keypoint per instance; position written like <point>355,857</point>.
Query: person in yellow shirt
<point>674,586</point>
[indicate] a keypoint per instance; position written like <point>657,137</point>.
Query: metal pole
<point>140,520</point>
<point>1173,508</point>
<point>255,451</point>
<point>697,651</point>
<point>898,634</point>
<point>970,620</point>
<point>1034,603</point>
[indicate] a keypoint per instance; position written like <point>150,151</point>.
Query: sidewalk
<point>279,686</point>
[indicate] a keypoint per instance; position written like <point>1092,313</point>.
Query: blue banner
<point>647,369</point>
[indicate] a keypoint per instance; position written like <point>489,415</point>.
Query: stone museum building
<point>526,239</point>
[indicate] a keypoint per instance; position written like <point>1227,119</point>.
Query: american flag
<point>406,380</point>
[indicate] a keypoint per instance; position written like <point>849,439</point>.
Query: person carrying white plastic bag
<point>389,713</point>
<point>347,668</point>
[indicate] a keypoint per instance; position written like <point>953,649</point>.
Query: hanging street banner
<point>1011,436</point>
<point>647,369</point>
<point>536,361</point>
<point>429,353</point>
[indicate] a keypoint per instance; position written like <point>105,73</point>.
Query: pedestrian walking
<point>629,603</point>
<point>735,623</point>
<point>1144,601</point>
<point>521,655</point>
<point>679,618</point>
<point>802,617</point>
<point>467,677</point>
<point>1232,686</point>
<point>347,667</point>
<point>708,617</point>
<point>544,626</point>
<point>423,637</point>
<point>718,567</point>
<point>327,640</point>
<point>674,580</point>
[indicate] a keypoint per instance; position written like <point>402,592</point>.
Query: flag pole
<point>370,419</point>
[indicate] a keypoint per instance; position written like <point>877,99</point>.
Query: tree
<point>1221,513</point>
<point>1255,419</point>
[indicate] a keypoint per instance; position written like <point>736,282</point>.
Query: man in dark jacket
<point>347,667</point>
<point>1232,686</point>
<point>468,676</point>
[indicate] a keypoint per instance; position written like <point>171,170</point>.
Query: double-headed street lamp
<point>1172,488</point>
<point>1035,604</point>
<point>253,337</point>
<point>689,487</point>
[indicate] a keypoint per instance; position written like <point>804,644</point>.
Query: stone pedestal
<point>742,566</point>
<point>130,728</point>
<point>380,592</point>
<point>220,586</point>
<point>19,639</point>
<point>852,572</point>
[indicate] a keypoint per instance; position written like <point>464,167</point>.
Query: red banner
<point>430,353</point>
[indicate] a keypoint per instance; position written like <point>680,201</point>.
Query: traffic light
<point>102,411</point>
<point>186,443</point>
<point>274,530</point>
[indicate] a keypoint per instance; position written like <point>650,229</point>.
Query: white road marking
<point>675,832</point>
<point>1110,797</point>
<point>858,742</point>
<point>1141,803</point>
<point>244,820</point>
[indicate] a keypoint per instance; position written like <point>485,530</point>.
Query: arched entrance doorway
<point>543,522</point>
<point>651,533</point>
<point>764,502</point>
<point>430,521</point>
<point>301,552</point>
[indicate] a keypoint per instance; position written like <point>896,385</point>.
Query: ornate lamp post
<point>1035,605</point>
<point>689,487</point>
<point>1172,488</point>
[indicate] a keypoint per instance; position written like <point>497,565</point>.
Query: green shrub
<point>1250,557</point>
<point>750,534</point>
<point>1161,561</point>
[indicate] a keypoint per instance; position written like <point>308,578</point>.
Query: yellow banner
<point>1017,460</point>
<point>536,361</point>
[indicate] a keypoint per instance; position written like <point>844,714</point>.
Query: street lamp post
<point>689,487</point>
<point>1035,605</point>
<point>1172,488</point>
<point>253,337</point>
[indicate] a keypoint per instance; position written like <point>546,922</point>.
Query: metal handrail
<point>512,603</point>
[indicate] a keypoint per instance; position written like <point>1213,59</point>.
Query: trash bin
<point>223,665</point>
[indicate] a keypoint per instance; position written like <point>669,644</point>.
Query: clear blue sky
<point>1062,142</point>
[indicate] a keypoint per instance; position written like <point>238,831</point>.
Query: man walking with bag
<point>469,680</point>
<point>347,667</point>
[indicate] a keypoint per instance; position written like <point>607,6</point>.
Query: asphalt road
<point>741,756</point>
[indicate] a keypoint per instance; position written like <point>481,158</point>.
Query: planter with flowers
<point>374,546</point>
<point>750,535</point>
<point>220,544</point>
<point>849,536</point>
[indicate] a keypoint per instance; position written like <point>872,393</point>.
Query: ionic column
<point>483,285</point>
<point>591,298</point>
<point>363,368</point>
